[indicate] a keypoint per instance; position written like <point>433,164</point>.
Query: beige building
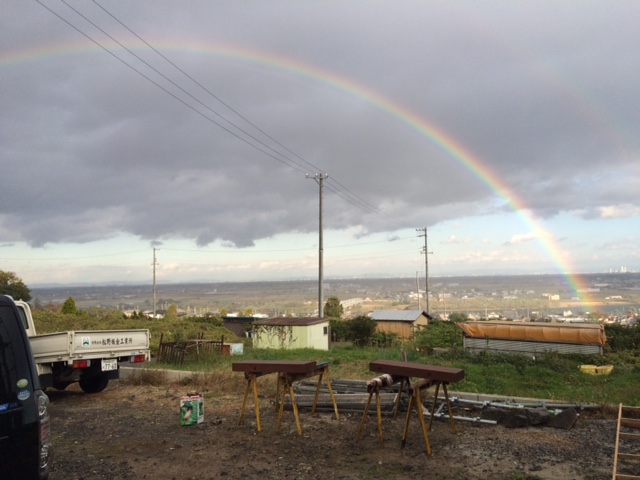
<point>401,322</point>
<point>289,333</point>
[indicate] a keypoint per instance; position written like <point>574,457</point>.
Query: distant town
<point>609,297</point>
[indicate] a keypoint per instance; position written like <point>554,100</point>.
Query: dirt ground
<point>134,432</point>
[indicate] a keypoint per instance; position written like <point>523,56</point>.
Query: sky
<point>213,131</point>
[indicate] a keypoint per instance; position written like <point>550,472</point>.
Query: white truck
<point>90,357</point>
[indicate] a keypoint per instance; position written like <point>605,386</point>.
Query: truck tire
<point>61,385</point>
<point>94,384</point>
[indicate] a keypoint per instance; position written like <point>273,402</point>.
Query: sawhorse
<point>288,372</point>
<point>431,375</point>
<point>285,385</point>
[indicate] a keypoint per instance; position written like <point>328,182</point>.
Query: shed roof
<point>291,321</point>
<point>238,319</point>
<point>541,332</point>
<point>397,315</point>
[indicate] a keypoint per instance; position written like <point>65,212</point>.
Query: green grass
<point>554,377</point>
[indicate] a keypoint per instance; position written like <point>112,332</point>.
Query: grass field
<point>553,377</point>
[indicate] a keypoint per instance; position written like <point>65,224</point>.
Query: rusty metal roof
<point>542,332</point>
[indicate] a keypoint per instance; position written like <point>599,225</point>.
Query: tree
<point>172,312</point>
<point>457,317</point>
<point>11,284</point>
<point>361,329</point>
<point>333,308</point>
<point>339,330</point>
<point>37,304</point>
<point>69,306</point>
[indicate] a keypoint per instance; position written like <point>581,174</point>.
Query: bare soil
<point>134,432</point>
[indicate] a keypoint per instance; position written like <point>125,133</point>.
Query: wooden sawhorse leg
<point>251,380</point>
<point>414,400</point>
<point>433,408</point>
<point>375,391</point>
<point>399,398</point>
<point>277,400</point>
<point>325,374</point>
<point>287,386</point>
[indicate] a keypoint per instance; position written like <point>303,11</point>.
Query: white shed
<point>288,333</point>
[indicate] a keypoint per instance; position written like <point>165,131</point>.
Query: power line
<point>348,196</point>
<point>206,117</point>
<point>355,200</point>
<point>102,255</point>
<point>341,190</point>
<point>208,252</point>
<point>204,88</point>
<point>182,89</point>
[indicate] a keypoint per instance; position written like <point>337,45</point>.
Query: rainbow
<point>444,142</point>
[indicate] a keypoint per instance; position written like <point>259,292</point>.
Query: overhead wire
<point>174,65</point>
<point>355,200</point>
<point>342,191</point>
<point>214,251</point>
<point>245,251</point>
<point>76,257</point>
<point>166,90</point>
<point>332,184</point>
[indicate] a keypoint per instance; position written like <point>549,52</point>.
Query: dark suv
<point>25,452</point>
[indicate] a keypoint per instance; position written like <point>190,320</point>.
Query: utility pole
<point>426,252</point>
<point>155,293</point>
<point>319,178</point>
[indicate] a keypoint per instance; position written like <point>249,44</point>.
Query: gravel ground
<point>133,432</point>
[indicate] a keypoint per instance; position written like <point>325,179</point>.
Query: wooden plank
<point>338,385</point>
<point>273,366</point>
<point>622,476</point>
<point>629,456</point>
<point>356,400</point>
<point>630,436</point>
<point>419,370</point>
<point>314,372</point>
<point>617,447</point>
<point>303,388</point>
<point>630,422</point>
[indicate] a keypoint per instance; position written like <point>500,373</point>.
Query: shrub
<point>621,338</point>
<point>361,330</point>
<point>437,335</point>
<point>384,339</point>
<point>339,330</point>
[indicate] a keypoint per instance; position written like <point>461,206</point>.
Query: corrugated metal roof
<point>291,321</point>
<point>558,325</point>
<point>397,315</point>
<point>540,332</point>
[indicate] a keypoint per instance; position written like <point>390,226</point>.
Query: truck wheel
<point>61,385</point>
<point>94,384</point>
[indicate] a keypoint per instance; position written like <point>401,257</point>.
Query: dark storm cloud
<point>543,94</point>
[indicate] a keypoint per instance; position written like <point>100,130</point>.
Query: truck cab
<point>25,450</point>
